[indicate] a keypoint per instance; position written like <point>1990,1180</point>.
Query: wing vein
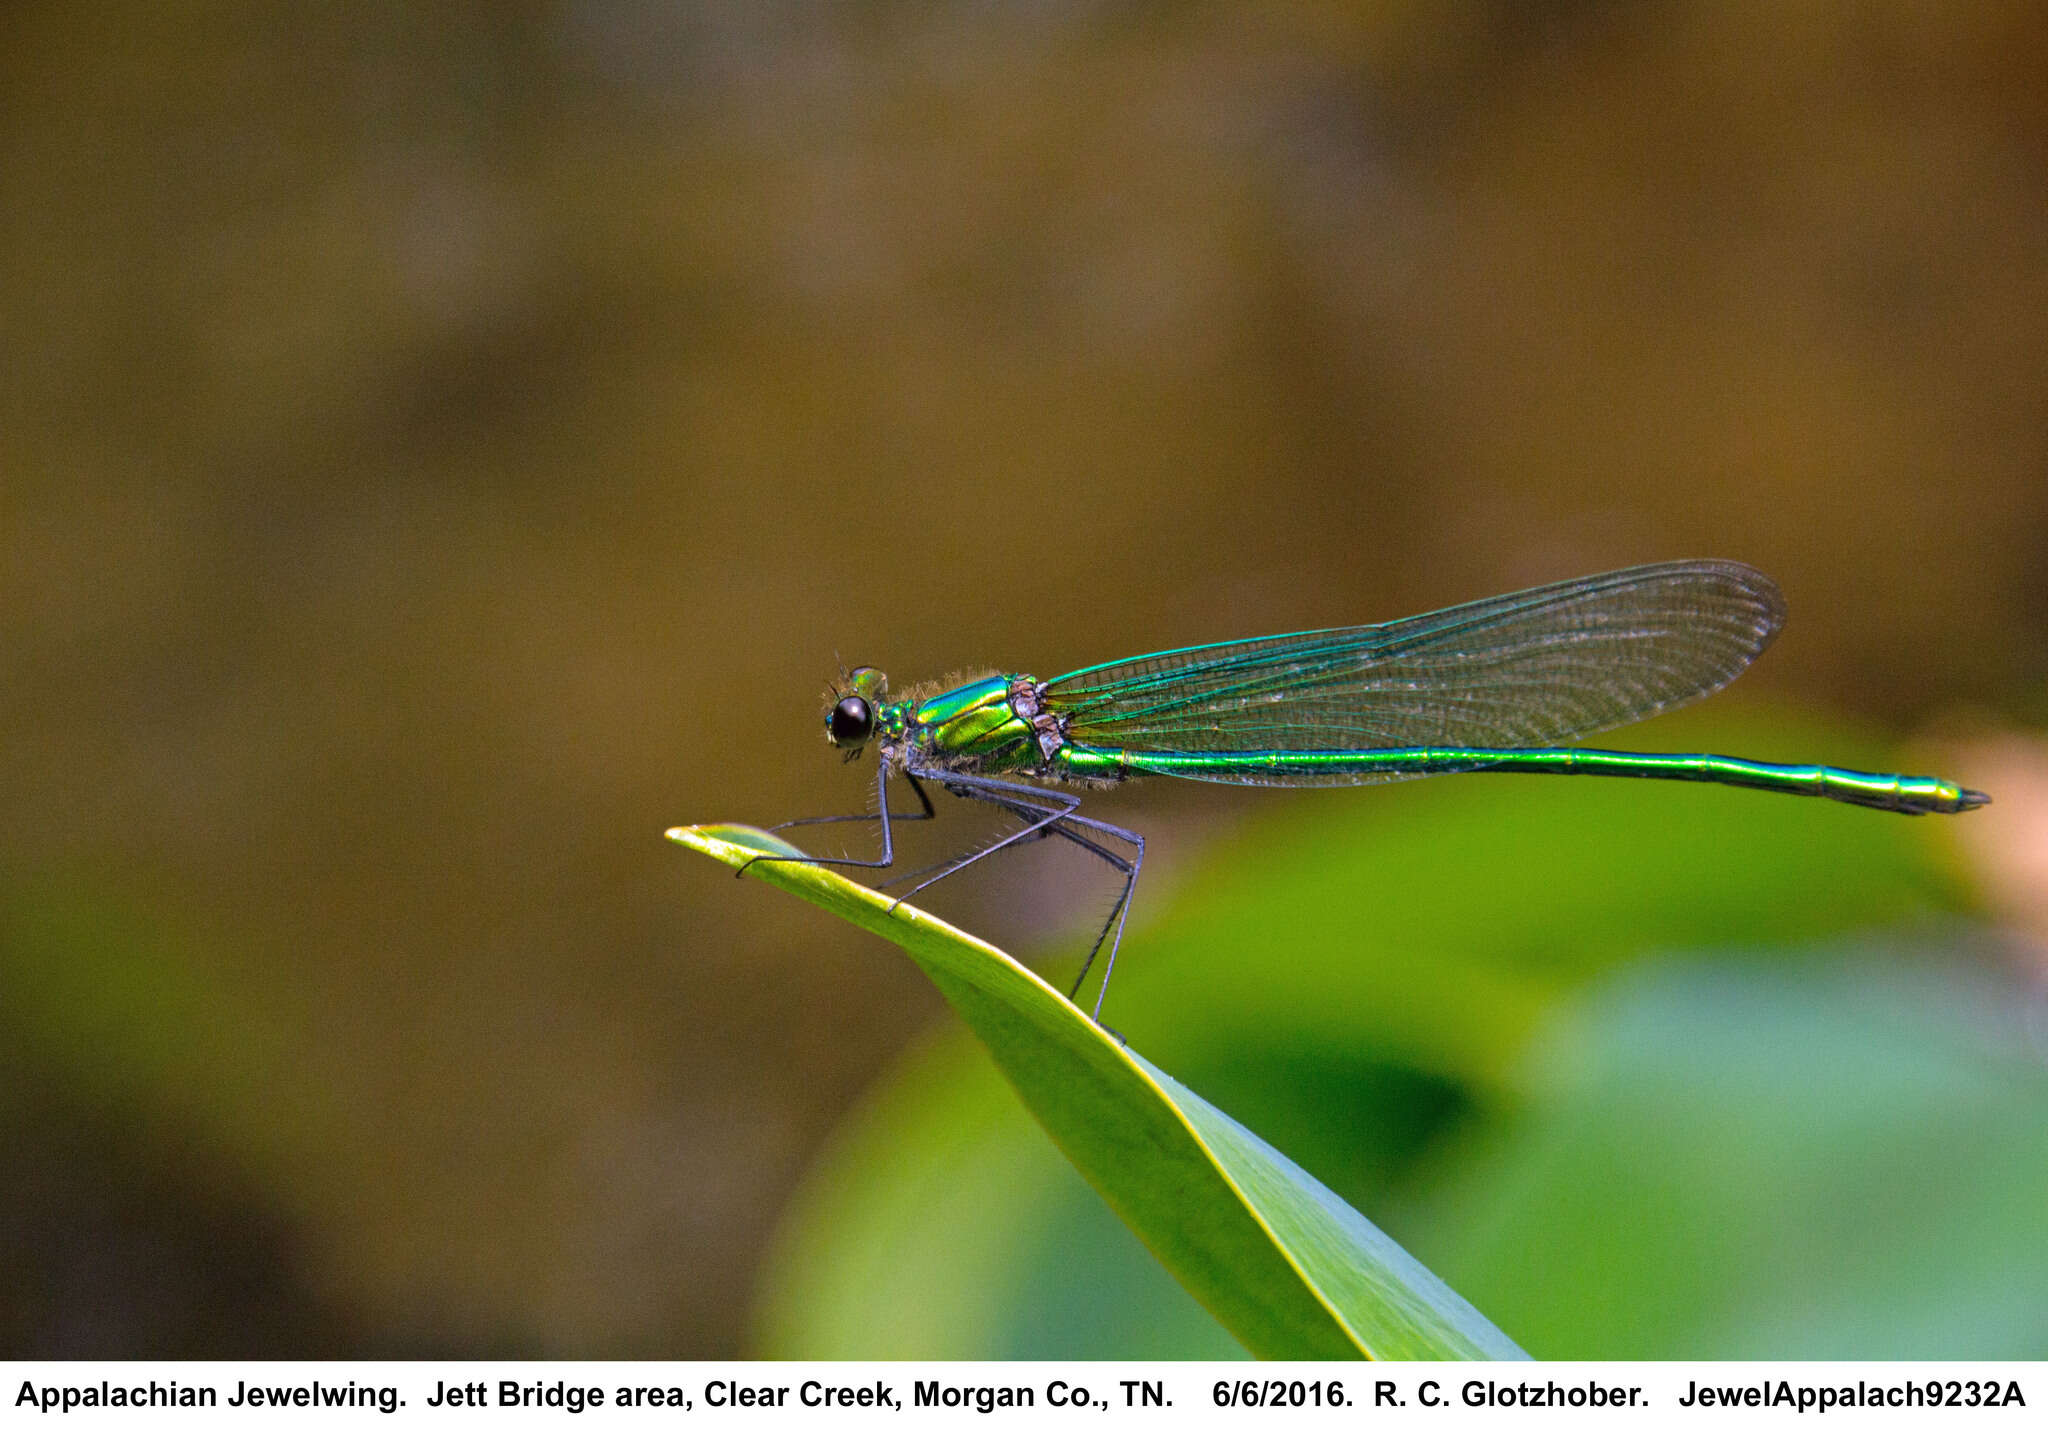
<point>1528,669</point>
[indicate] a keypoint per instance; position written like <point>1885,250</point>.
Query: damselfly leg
<point>1049,813</point>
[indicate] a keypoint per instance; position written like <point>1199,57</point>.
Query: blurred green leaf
<point>1845,1158</point>
<point>1288,1267</point>
<point>1356,975</point>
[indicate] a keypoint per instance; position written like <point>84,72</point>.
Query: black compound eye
<point>852,721</point>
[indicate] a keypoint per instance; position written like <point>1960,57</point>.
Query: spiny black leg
<point>919,816</point>
<point>1037,828</point>
<point>1055,819</point>
<point>882,809</point>
<point>1028,814</point>
<point>1119,915</point>
<point>1128,869</point>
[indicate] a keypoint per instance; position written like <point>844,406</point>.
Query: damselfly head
<point>850,720</point>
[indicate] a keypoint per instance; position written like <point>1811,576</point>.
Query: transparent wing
<point>1528,669</point>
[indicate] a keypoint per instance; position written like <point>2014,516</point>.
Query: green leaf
<point>1842,1157</point>
<point>1286,1266</point>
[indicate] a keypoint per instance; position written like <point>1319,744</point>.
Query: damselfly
<point>1490,686</point>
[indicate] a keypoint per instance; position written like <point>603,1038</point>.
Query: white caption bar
<point>853,1397</point>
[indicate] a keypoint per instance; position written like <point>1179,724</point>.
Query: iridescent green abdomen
<point>1338,767</point>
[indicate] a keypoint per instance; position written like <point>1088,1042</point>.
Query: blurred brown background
<point>439,449</point>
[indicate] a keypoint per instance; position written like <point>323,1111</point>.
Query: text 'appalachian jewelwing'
<point>1490,686</point>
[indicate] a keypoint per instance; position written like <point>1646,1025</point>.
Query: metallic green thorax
<point>980,727</point>
<point>977,720</point>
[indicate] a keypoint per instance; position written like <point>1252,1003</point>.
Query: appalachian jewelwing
<point>1488,686</point>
